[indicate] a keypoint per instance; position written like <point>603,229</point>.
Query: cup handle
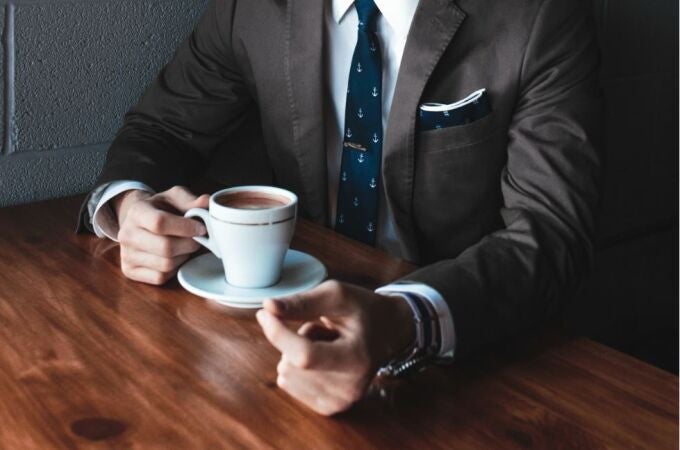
<point>206,242</point>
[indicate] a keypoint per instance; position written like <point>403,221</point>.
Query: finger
<point>202,201</point>
<point>328,299</point>
<point>165,223</point>
<point>311,390</point>
<point>299,350</point>
<point>137,258</point>
<point>346,385</point>
<point>183,199</point>
<point>293,346</point>
<point>146,275</point>
<point>166,246</point>
<point>316,331</point>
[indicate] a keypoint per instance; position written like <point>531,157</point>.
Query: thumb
<point>327,299</point>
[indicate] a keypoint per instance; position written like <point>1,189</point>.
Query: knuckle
<point>326,407</point>
<point>334,285</point>
<point>165,248</point>
<point>282,368</point>
<point>126,269</point>
<point>281,382</point>
<point>126,260</point>
<point>177,189</point>
<point>124,235</point>
<point>323,410</point>
<point>156,222</point>
<point>192,246</point>
<point>341,290</point>
<point>353,395</point>
<point>337,289</point>
<point>157,278</point>
<point>133,211</point>
<point>167,265</point>
<point>305,358</point>
<point>178,192</point>
<point>341,405</point>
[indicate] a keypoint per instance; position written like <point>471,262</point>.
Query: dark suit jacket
<point>498,212</point>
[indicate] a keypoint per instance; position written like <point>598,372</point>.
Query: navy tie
<point>357,208</point>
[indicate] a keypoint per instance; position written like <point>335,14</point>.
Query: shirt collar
<point>398,13</point>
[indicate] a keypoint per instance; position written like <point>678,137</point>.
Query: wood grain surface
<point>89,359</point>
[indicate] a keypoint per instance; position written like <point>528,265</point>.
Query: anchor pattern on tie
<point>357,205</point>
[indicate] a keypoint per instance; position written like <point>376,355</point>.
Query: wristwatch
<point>426,344</point>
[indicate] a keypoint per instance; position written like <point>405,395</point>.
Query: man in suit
<point>496,208</point>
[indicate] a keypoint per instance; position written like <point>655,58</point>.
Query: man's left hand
<point>348,333</point>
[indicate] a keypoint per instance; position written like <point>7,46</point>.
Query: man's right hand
<point>155,238</point>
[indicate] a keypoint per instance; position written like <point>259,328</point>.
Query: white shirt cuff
<point>104,221</point>
<point>446,326</point>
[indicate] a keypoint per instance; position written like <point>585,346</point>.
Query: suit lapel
<point>304,77</point>
<point>434,25</point>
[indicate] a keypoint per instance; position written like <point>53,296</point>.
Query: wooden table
<point>89,359</point>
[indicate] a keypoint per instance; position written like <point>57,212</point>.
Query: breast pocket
<point>450,138</point>
<point>457,184</point>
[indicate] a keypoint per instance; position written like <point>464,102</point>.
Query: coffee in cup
<point>249,229</point>
<point>251,200</point>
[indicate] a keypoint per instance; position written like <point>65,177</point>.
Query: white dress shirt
<point>341,25</point>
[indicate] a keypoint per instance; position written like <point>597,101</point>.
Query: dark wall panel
<point>639,42</point>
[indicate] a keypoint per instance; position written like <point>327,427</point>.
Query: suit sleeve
<point>194,103</point>
<point>524,273</point>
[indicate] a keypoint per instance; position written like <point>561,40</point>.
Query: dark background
<point>631,302</point>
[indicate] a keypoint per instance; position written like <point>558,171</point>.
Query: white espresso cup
<point>249,229</point>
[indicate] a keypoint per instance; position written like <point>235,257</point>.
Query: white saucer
<point>204,276</point>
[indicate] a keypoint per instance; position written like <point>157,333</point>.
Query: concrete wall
<point>70,70</point>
